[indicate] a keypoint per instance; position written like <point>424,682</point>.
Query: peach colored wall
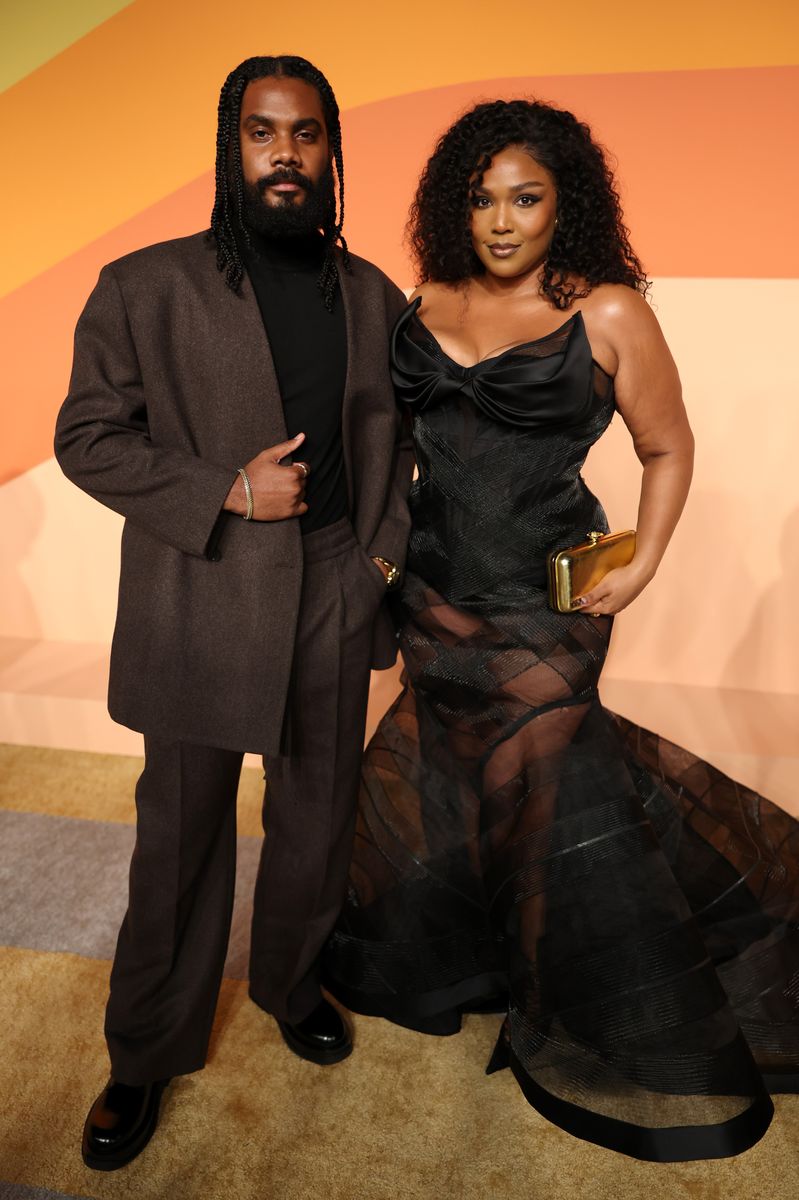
<point>112,140</point>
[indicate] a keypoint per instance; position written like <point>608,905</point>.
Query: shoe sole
<point>121,1158</point>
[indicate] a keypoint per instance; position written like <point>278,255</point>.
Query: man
<point>251,584</point>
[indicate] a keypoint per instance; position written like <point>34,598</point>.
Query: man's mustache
<point>287,176</point>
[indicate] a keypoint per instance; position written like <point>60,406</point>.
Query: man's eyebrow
<point>261,119</point>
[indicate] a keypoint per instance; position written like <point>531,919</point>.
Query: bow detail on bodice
<point>547,381</point>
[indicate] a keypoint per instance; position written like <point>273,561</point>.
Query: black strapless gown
<point>519,847</point>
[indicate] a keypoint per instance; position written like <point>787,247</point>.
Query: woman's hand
<point>618,589</point>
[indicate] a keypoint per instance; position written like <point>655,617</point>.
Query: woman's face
<point>513,214</point>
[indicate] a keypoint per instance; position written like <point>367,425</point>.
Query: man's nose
<point>285,152</point>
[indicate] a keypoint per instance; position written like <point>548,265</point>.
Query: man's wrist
<point>236,500</point>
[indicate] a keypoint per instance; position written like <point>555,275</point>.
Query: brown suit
<point>173,388</point>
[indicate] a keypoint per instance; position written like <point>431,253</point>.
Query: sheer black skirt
<point>632,909</point>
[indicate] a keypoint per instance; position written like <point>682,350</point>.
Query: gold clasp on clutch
<point>594,537</point>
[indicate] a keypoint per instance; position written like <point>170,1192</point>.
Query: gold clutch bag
<point>575,570</point>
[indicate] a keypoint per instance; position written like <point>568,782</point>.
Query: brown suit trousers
<point>172,944</point>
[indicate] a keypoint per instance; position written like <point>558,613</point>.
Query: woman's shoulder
<point>615,304</point>
<point>434,295</point>
<point>619,322</point>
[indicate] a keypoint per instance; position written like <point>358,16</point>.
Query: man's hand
<point>277,491</point>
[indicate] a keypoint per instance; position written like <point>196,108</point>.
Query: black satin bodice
<point>499,447</point>
<point>543,382</point>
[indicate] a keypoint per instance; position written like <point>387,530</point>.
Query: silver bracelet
<point>245,479</point>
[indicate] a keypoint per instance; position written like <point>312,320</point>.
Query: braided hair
<point>227,223</point>
<point>590,243</point>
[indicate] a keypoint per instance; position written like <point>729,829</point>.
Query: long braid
<point>227,216</point>
<point>329,276</point>
<point>223,229</point>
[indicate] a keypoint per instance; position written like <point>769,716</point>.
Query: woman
<point>519,848</point>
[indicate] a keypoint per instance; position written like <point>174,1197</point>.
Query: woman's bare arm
<point>649,398</point>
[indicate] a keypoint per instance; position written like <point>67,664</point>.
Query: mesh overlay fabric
<point>519,847</point>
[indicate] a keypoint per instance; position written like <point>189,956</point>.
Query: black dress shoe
<point>120,1124</point>
<point>322,1037</point>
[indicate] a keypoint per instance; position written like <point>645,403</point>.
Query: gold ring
<point>304,468</point>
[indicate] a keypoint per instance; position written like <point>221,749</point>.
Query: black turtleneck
<point>309,349</point>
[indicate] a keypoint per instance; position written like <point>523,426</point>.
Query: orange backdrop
<point>109,121</point>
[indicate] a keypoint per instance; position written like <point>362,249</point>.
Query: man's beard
<point>287,218</point>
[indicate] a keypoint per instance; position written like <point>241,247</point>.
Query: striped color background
<point>109,116</point>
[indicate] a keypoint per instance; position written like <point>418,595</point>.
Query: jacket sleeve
<point>391,539</point>
<point>102,438</point>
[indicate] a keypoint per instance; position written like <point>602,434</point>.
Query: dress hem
<point>674,1143</point>
<point>439,1014</point>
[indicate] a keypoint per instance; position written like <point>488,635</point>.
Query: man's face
<point>285,157</point>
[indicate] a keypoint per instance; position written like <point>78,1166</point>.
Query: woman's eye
<point>527,201</point>
<point>480,201</point>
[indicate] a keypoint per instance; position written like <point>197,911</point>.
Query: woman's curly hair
<point>590,244</point>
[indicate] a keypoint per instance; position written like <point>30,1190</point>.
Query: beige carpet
<point>405,1116</point>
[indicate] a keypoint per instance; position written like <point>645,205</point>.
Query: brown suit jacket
<point>173,387</point>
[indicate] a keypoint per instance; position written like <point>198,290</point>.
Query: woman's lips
<point>502,251</point>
